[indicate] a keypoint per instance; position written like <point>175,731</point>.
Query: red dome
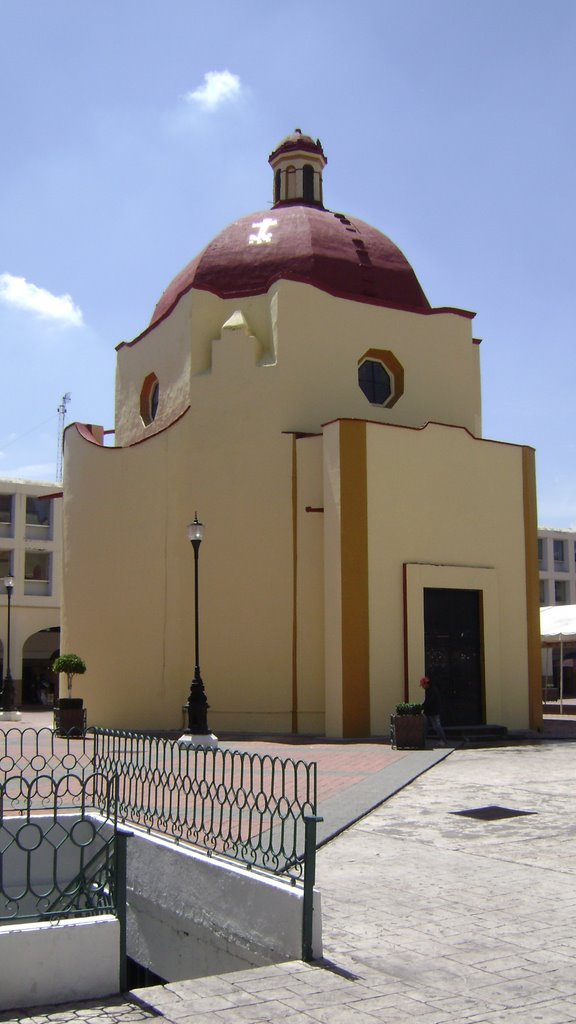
<point>337,254</point>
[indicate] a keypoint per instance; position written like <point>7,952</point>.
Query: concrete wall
<point>59,962</point>
<point>62,960</point>
<point>190,915</point>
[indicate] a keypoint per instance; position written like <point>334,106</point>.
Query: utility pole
<point>61,421</point>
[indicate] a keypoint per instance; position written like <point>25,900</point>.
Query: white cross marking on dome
<point>264,234</point>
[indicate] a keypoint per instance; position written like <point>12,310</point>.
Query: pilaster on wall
<point>354,545</point>
<point>346,580</point>
<point>532,587</point>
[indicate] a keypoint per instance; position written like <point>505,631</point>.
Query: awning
<point>558,624</point>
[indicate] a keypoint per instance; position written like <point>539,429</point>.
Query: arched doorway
<point>39,683</point>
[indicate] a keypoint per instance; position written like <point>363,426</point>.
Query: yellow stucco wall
<point>309,597</point>
<point>128,583</point>
<point>314,342</point>
<point>444,510</point>
<point>301,612</point>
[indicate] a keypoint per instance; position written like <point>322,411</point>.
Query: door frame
<point>417,577</point>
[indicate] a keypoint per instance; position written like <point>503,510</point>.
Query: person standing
<point>431,708</point>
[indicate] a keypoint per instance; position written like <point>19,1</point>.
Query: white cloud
<point>18,292</point>
<point>219,87</point>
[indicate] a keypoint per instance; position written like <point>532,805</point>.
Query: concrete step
<point>476,733</point>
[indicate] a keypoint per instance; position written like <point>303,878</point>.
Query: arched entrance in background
<point>39,683</point>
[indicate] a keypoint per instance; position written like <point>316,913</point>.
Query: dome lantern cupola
<point>297,163</point>
<point>299,240</point>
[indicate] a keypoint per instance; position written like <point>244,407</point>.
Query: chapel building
<point>296,389</point>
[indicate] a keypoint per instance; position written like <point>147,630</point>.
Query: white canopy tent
<point>558,627</point>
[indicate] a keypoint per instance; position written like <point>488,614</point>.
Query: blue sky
<point>133,131</point>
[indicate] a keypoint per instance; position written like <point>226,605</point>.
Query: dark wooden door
<point>453,644</point>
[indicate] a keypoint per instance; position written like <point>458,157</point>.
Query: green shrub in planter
<point>408,709</point>
<point>70,665</point>
<point>69,713</point>
<point>407,726</point>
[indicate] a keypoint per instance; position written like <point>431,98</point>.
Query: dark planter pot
<point>408,731</point>
<point>70,717</point>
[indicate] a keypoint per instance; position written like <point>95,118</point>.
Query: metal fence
<point>250,807</point>
<point>247,806</point>
<point>53,866</point>
<point>30,753</point>
<point>255,809</point>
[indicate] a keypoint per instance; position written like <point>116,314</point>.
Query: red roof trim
<point>85,432</point>
<point>293,145</point>
<point>430,423</point>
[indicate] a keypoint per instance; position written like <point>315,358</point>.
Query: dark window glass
<point>5,508</point>
<point>277,187</point>
<point>149,398</point>
<point>154,397</point>
<point>308,183</point>
<point>38,512</point>
<point>558,550</point>
<point>37,566</point>
<point>374,382</point>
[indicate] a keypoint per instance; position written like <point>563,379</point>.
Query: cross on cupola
<point>298,163</point>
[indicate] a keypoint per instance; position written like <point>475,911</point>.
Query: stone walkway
<point>430,915</point>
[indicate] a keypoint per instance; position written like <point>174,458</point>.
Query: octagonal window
<point>380,377</point>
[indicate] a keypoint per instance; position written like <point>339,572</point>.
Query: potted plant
<point>408,726</point>
<point>69,714</point>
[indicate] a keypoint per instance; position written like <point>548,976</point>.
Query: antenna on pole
<point>61,421</point>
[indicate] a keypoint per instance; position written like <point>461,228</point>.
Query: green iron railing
<point>256,809</point>
<point>55,866</point>
<point>27,754</point>
<point>249,807</point>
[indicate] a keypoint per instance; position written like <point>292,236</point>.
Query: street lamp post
<point>8,688</point>
<point>198,733</point>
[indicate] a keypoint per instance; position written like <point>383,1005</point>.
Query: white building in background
<point>557,566</point>
<point>31,552</point>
